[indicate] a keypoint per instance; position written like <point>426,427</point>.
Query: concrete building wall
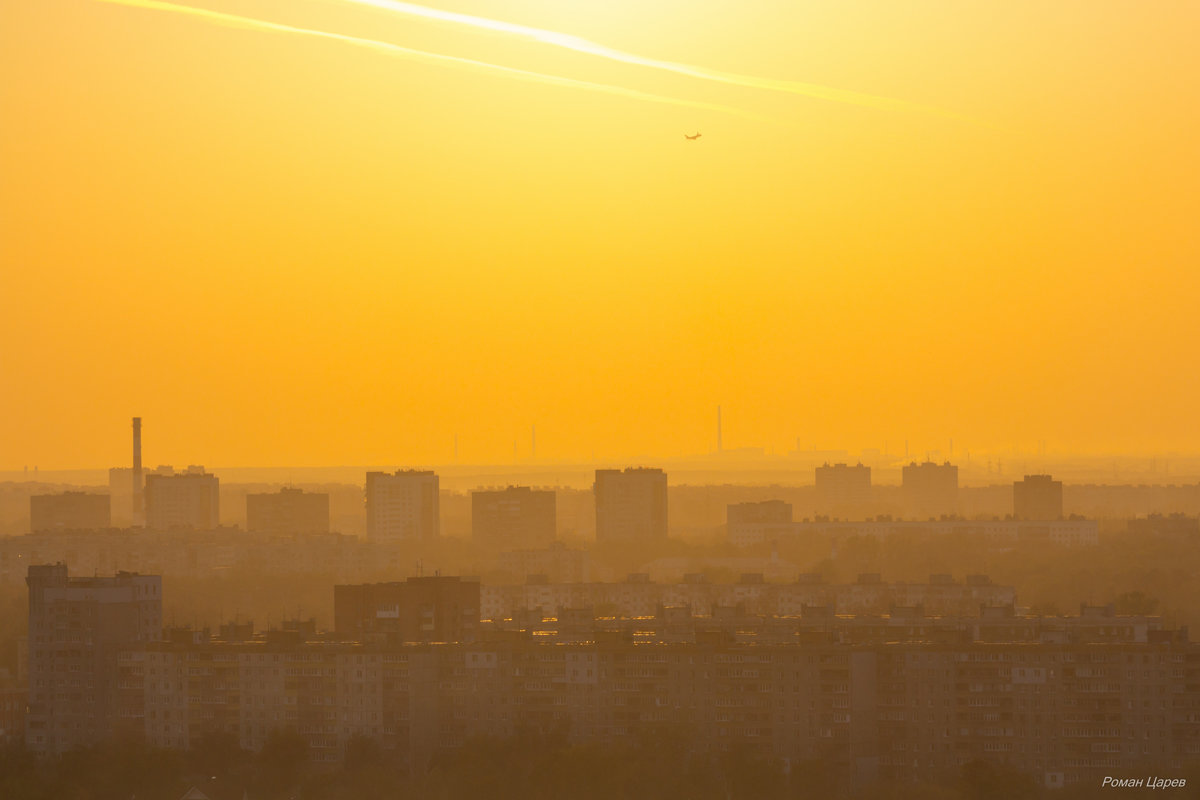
<point>69,511</point>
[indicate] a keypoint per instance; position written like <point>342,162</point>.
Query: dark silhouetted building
<point>288,511</point>
<point>69,511</point>
<point>765,511</point>
<point>517,516</point>
<point>1038,497</point>
<point>843,489</point>
<point>427,609</point>
<point>930,489</point>
<point>763,521</point>
<point>631,505</point>
<point>403,507</point>
<point>188,500</point>
<point>77,627</point>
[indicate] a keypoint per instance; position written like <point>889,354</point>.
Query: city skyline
<point>449,399</point>
<point>794,452</point>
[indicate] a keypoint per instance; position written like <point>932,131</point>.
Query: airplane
<point>692,138</point>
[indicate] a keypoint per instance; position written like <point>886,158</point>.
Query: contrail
<point>581,45</point>
<point>236,21</point>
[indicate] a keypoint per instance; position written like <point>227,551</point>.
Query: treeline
<point>527,766</point>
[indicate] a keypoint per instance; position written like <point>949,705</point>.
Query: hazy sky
<point>279,246</point>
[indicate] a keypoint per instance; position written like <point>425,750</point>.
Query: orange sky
<point>280,248</point>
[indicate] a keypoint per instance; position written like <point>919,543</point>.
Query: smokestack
<point>718,429</point>
<point>138,499</point>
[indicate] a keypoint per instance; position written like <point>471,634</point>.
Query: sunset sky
<point>347,234</point>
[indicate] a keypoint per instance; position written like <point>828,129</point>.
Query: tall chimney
<point>138,499</point>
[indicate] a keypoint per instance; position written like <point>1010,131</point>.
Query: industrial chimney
<point>139,517</point>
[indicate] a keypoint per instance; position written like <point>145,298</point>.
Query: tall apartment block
<point>518,516</point>
<point>631,505</point>
<point>1038,497</point>
<point>124,483</point>
<point>69,511</point>
<point>288,511</point>
<point>403,507</point>
<point>189,500</point>
<point>77,629</point>
<point>843,490</point>
<point>930,489</point>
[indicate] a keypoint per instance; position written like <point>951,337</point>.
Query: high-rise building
<point>631,505</point>
<point>518,516</point>
<point>69,511</point>
<point>139,499</point>
<point>424,609</point>
<point>403,507</point>
<point>1038,497</point>
<point>120,492</point>
<point>77,626</point>
<point>288,511</point>
<point>123,483</point>
<point>189,500</point>
<point>930,489</point>
<point>843,489</point>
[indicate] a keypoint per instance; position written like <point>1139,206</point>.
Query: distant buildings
<point>766,521</point>
<point>930,489</point>
<point>69,511</point>
<point>637,597</point>
<point>916,690</point>
<point>288,511</point>
<point>515,517</point>
<point>124,485</point>
<point>766,511</point>
<point>631,505</point>
<point>556,563</point>
<point>1038,497</point>
<point>426,609</point>
<point>995,533</point>
<point>77,629</point>
<point>188,500</point>
<point>403,507</point>
<point>1180,525</point>
<point>120,482</point>
<point>843,490</point>
<point>899,698</point>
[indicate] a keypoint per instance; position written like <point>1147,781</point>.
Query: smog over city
<point>465,400</point>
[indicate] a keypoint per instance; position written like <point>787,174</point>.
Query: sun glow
<point>338,232</point>
<point>580,45</point>
<point>388,48</point>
